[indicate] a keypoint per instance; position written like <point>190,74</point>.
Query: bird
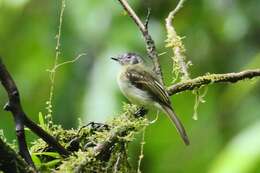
<point>141,86</point>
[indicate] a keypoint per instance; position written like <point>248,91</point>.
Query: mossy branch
<point>97,147</point>
<point>212,78</point>
<point>174,41</point>
<point>133,123</point>
<point>10,161</point>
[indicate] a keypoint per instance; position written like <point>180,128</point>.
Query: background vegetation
<point>220,36</point>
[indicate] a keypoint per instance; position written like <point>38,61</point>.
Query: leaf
<point>52,163</point>
<point>51,154</point>
<point>36,160</point>
<point>41,120</point>
<point>27,129</point>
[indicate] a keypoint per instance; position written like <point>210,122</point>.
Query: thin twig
<point>174,41</point>
<point>212,78</point>
<point>58,36</point>
<point>150,45</point>
<point>177,8</point>
<point>147,18</point>
<point>64,63</point>
<point>57,54</point>
<point>133,15</point>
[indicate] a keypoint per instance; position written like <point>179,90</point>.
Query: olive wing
<point>145,81</point>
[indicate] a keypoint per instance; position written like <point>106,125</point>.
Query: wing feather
<point>145,81</point>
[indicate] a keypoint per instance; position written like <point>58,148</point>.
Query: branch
<point>150,45</point>
<point>172,13</point>
<point>133,15</point>
<point>15,107</point>
<point>21,119</point>
<point>174,41</point>
<point>10,161</point>
<point>212,78</point>
<point>103,150</point>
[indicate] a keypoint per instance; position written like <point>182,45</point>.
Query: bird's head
<point>128,59</point>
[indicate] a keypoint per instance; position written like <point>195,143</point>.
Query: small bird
<point>141,86</point>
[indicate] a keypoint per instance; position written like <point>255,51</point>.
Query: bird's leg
<point>141,112</point>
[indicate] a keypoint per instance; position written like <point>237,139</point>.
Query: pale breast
<point>133,94</point>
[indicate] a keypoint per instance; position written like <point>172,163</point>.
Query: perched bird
<point>141,86</point>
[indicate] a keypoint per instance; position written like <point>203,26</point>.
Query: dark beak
<point>115,59</point>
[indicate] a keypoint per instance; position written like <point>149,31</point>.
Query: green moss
<point>83,142</point>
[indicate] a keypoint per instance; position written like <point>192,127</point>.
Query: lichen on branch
<point>211,79</point>
<point>174,41</point>
<point>96,147</point>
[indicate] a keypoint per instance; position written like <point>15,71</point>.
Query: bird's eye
<point>128,57</point>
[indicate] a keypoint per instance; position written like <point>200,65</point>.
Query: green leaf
<point>36,160</point>
<point>41,120</point>
<point>52,163</point>
<point>27,129</point>
<point>51,154</point>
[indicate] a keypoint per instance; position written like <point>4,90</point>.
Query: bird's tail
<point>180,128</point>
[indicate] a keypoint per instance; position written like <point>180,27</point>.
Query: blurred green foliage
<point>220,36</point>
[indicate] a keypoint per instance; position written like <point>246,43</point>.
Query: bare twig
<point>58,36</point>
<point>147,18</point>
<point>53,70</point>
<point>150,45</point>
<point>133,15</point>
<point>174,41</point>
<point>21,119</point>
<point>15,107</point>
<point>212,78</point>
<point>172,13</point>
